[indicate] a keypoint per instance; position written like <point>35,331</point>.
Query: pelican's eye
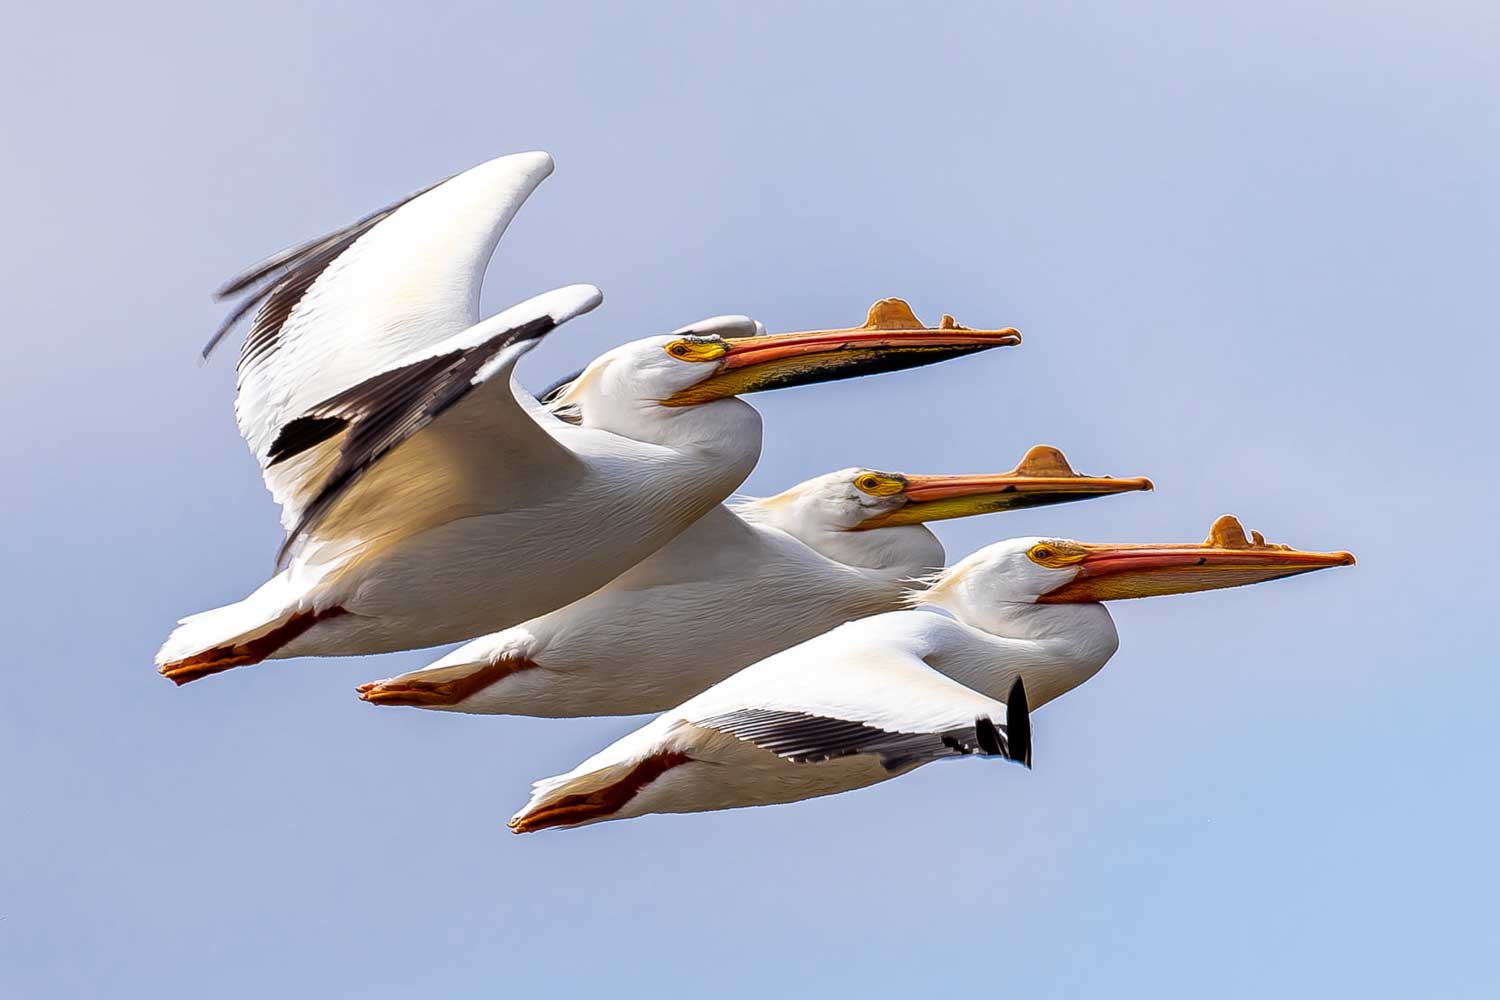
<point>697,349</point>
<point>879,484</point>
<point>1055,555</point>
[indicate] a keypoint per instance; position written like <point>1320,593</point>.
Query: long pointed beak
<point>1042,477</point>
<point>1226,559</point>
<point>937,498</point>
<point>891,339</point>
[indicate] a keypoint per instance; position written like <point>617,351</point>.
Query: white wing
<point>341,309</point>
<point>857,689</point>
<point>433,438</point>
<point>862,672</point>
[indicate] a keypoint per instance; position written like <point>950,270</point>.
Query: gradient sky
<point>1253,251</point>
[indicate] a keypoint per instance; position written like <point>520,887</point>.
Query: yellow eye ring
<point>1055,555</point>
<point>879,484</point>
<point>690,349</point>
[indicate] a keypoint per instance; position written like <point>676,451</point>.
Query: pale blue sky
<point>1253,250</point>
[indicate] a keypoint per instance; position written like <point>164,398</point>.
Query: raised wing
<point>343,308</point>
<point>281,279</point>
<point>398,421</point>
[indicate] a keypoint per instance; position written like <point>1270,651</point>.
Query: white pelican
<point>785,569</point>
<point>426,497</point>
<point>874,698</point>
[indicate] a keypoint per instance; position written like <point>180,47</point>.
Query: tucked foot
<point>440,686</point>
<point>570,809</point>
<point>212,662</point>
<point>245,651</point>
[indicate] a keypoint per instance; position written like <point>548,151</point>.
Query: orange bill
<point>891,339</point>
<point>1227,558</point>
<point>1042,477</point>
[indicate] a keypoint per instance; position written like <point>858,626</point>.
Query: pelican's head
<point>870,517</point>
<point>731,355</point>
<point>827,514</point>
<point>1062,571</point>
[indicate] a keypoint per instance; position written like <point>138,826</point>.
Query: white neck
<point>901,553</point>
<point>717,426</point>
<point>1053,647</point>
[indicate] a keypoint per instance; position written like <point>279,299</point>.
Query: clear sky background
<point>1253,251</point>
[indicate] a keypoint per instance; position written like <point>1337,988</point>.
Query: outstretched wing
<point>433,438</point>
<point>853,691</point>
<point>807,739</point>
<point>348,306</point>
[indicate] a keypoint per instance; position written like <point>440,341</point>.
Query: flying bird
<point>875,698</point>
<point>743,582</point>
<point>428,498</point>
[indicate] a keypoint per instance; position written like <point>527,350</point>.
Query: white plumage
<point>427,497</point>
<point>857,702</point>
<point>409,283</point>
<point>873,673</point>
<point>741,583</point>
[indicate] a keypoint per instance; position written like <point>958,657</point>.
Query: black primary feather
<point>285,277</point>
<point>806,739</point>
<point>383,412</point>
<point>1018,724</point>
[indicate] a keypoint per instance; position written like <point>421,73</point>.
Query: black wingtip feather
<point>987,735</point>
<point>228,324</point>
<point>301,263</point>
<point>1018,724</point>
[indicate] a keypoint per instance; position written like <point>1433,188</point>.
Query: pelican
<point>427,498</point>
<point>875,698</point>
<point>743,582</point>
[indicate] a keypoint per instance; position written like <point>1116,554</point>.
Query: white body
<point>730,590</point>
<point>905,671</point>
<point>798,724</point>
<point>466,576</point>
<point>496,511</point>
